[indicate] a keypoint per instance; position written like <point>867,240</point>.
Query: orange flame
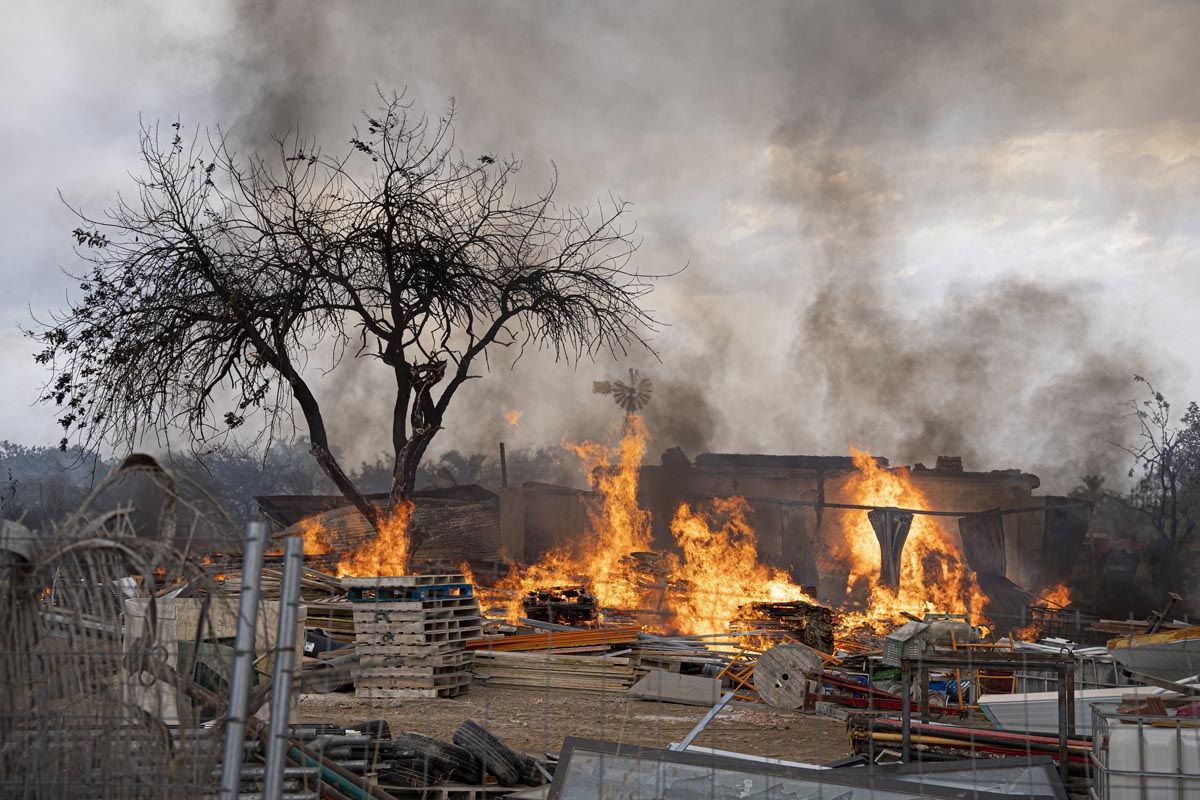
<point>619,526</point>
<point>386,553</point>
<point>513,417</point>
<point>1055,596</point>
<point>933,576</point>
<point>316,538</point>
<point>1058,596</point>
<point>720,568</point>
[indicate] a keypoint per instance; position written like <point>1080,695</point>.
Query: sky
<point>922,228</point>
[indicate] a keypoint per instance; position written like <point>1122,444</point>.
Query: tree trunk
<point>404,476</point>
<point>342,481</point>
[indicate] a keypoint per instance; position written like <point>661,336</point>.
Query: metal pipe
<point>503,468</point>
<point>905,711</point>
<point>703,723</point>
<point>285,668</point>
<point>243,661</point>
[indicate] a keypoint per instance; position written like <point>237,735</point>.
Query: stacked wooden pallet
<point>545,671</point>
<point>410,632</point>
<point>334,615</point>
<point>549,640</point>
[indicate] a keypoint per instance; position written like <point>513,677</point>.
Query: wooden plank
<point>555,639</point>
<point>542,658</point>
<point>368,624</point>
<point>373,693</point>
<point>402,581</point>
<point>434,637</point>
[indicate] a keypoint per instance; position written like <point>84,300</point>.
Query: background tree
<point>1167,489</point>
<point>208,293</point>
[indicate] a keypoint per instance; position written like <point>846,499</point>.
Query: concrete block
<point>671,687</point>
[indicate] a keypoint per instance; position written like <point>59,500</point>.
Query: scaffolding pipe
<point>278,742</point>
<point>243,661</point>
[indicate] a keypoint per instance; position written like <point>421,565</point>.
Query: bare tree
<point>1167,491</point>
<point>225,275</point>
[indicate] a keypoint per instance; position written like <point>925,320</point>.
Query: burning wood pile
<point>565,605</point>
<point>807,623</point>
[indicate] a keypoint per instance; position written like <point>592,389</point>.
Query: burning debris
<point>808,623</point>
<point>924,570</point>
<point>563,605</point>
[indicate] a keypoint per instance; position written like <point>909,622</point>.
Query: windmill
<point>631,396</point>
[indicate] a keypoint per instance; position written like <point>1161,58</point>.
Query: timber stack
<point>410,634</point>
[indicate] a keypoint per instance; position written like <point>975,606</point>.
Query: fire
<point>316,538</point>
<point>932,573</point>
<point>513,417</point>
<point>620,527</point>
<point>1058,596</point>
<point>386,553</point>
<point>720,568</point>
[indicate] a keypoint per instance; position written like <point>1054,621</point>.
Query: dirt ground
<point>537,721</point>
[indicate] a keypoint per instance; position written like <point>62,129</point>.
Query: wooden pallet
<point>407,588</point>
<point>403,580</point>
<point>416,610</point>
<point>368,623</point>
<point>396,680</point>
<point>411,634</point>
<point>383,634</point>
<point>373,693</point>
<point>541,671</point>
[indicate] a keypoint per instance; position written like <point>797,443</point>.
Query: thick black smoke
<point>907,225</point>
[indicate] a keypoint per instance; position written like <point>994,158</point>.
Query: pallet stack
<point>410,633</point>
<point>546,671</point>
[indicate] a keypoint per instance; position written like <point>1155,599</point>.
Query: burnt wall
<point>792,533</point>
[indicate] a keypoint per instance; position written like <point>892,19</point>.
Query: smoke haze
<point>925,228</point>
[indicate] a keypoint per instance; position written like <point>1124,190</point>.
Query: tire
<point>463,765</point>
<point>458,763</point>
<point>499,760</point>
<point>530,774</point>
<point>404,774</point>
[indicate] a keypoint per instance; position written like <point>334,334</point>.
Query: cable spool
<point>780,676</point>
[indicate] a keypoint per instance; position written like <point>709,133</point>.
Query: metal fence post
<point>243,660</point>
<point>285,666</point>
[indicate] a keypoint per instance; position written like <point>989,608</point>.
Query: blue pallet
<point>392,594</point>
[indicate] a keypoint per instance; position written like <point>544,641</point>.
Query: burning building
<point>781,528</point>
<point>690,545</point>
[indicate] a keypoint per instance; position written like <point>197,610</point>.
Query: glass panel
<point>1031,780</point>
<point>661,775</point>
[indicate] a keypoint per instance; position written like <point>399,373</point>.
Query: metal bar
<point>285,668</point>
<point>703,723</point>
<point>1063,733</point>
<point>905,711</point>
<point>503,468</point>
<point>924,694</point>
<point>819,504</point>
<point>243,660</point>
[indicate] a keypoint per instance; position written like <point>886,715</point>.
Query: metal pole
<point>243,661</point>
<point>703,723</point>
<point>503,468</point>
<point>1065,696</point>
<point>905,710</point>
<point>278,742</point>
<point>924,694</point>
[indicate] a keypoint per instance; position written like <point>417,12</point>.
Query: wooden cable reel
<point>781,674</point>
